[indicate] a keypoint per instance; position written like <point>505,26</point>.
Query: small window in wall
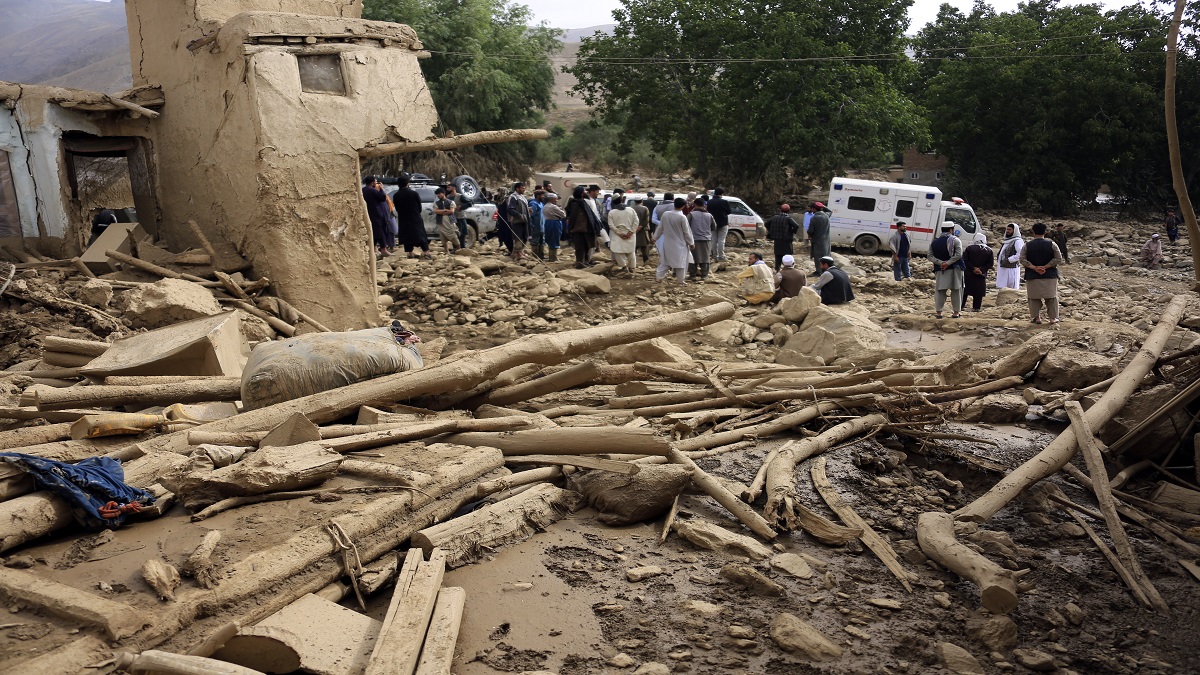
<point>904,209</point>
<point>913,175</point>
<point>10,218</point>
<point>940,174</point>
<point>860,204</point>
<point>321,74</point>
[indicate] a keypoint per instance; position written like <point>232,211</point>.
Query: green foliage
<point>1042,106</point>
<point>489,69</point>
<point>707,78</point>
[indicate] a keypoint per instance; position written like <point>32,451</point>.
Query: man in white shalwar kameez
<point>674,243</point>
<point>1008,260</point>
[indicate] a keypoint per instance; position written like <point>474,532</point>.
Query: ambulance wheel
<point>866,245</point>
<point>734,238</point>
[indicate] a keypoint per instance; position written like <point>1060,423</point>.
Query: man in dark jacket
<point>833,284</point>
<point>781,229</point>
<point>1041,258</point>
<point>1059,237</point>
<point>408,216</point>
<point>720,210</point>
<point>818,232</point>
<point>377,211</point>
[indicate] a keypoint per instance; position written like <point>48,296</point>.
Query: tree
<point>488,69</point>
<point>1042,106</point>
<point>749,91</point>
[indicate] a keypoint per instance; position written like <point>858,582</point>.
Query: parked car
<point>480,217</point>
<point>744,223</point>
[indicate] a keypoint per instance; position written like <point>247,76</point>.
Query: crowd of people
<point>689,234</point>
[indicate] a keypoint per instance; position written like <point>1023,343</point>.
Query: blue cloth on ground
<point>87,485</point>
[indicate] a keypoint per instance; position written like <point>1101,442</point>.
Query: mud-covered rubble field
<point>585,597</point>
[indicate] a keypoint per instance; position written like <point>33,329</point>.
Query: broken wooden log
<point>568,441</point>
<point>162,577</point>
<point>453,142</point>
<point>388,473</point>
<point>398,647</point>
<point>416,432</point>
<point>199,564</point>
<point>806,395</point>
<point>54,343</point>
<point>156,269</point>
<point>981,389</point>
<point>997,586</point>
<point>198,391</point>
<point>437,655</point>
<point>117,619</point>
<point>15,439</point>
<point>518,479</point>
<point>784,507</point>
<point>566,379</point>
<point>468,538</point>
<point>713,488</point>
<point>579,462</point>
<point>166,663</point>
<point>1090,449</point>
<point>1070,508</point>
<point>1173,496</point>
<point>878,545</point>
<point>1167,533</point>
<point>65,359</point>
<point>51,416</point>
<point>282,327</point>
<point>204,242</point>
<point>1063,448</point>
<point>456,374</point>
<point>773,426</point>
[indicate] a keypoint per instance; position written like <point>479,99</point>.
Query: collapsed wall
<point>259,139</point>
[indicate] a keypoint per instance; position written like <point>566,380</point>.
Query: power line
<point>881,57</point>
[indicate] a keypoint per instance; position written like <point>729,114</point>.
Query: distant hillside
<point>71,43</point>
<point>577,34</point>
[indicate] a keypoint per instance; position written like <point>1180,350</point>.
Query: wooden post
<point>713,488</point>
<point>197,391</point>
<point>565,379</point>
<point>453,142</point>
<point>155,269</point>
<point>568,441</point>
<point>1095,464</point>
<point>437,656</point>
<point>54,343</point>
<point>998,586</point>
<point>398,647</point>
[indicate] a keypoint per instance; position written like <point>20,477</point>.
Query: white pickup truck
<point>480,217</point>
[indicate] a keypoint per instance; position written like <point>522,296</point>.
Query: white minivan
<point>865,213</point>
<point>744,223</point>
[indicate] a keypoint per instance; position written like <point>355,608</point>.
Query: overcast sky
<point>561,14</point>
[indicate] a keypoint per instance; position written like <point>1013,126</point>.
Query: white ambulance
<point>865,213</point>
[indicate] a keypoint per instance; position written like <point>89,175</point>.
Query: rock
<point>586,281</point>
<point>811,346</point>
<point>994,631</point>
<point>1074,613</point>
<point>710,298</point>
<point>652,668</point>
<point>1025,357</point>
<point>162,577</point>
<point>95,293</point>
<point>166,302</point>
<point>253,328</point>
<point>701,608</point>
<point>624,500</point>
<point>622,660</point>
<point>740,632</point>
<point>793,565</point>
<point>797,308</point>
<point>1065,369</point>
<point>1035,660</point>
<point>855,338</point>
<point>955,367</point>
<point>958,660</point>
<point>766,321</point>
<point>502,315</point>
<point>781,332</point>
<point>723,331</point>
<point>637,574</point>
<point>716,538</point>
<point>794,634</point>
<point>886,603</point>
<point>752,580</point>
<point>385,301</point>
<point>656,350</point>
<point>473,272</point>
<point>1009,296</point>
<point>995,409</point>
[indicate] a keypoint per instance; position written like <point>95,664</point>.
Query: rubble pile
<point>790,485</point>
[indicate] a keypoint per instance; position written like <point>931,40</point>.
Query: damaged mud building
<point>248,123</point>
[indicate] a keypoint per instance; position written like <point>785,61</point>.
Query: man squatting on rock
<point>833,284</point>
